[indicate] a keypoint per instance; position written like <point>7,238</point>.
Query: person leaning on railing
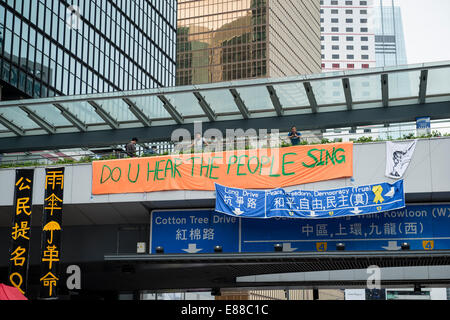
<point>130,148</point>
<point>150,151</point>
<point>294,136</point>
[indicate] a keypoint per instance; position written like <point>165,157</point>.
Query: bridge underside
<point>207,272</point>
<point>313,102</point>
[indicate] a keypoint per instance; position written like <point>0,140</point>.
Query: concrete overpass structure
<point>100,233</point>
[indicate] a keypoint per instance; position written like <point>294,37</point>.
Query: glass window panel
<point>50,114</point>
<point>9,19</point>
<point>404,84</point>
<point>186,104</point>
<point>29,86</point>
<point>33,11</point>
<point>256,98</point>
<point>7,45</point>
<point>22,81</point>
<point>152,107</point>
<point>118,109</point>
<point>84,111</point>
<point>292,95</point>
<point>328,92</point>
<point>24,31</point>
<point>14,77</point>
<point>221,101</point>
<point>18,117</point>
<point>32,36</point>
<point>438,81</point>
<point>16,46</point>
<point>366,88</point>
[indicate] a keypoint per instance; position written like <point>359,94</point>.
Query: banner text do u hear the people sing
<point>251,169</point>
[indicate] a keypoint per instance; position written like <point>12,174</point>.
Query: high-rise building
<point>53,47</point>
<point>348,38</point>
<point>390,48</point>
<point>223,40</point>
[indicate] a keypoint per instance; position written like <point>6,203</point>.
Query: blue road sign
<point>424,227</point>
<point>193,231</point>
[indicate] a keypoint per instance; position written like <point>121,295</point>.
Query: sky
<point>426,25</point>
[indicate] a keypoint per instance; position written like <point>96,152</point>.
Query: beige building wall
<point>294,37</point>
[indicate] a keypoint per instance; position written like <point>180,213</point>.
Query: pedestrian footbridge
<point>101,232</point>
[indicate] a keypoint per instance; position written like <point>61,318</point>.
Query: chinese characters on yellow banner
<point>51,232</point>
<point>21,230</point>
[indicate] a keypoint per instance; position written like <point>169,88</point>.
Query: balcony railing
<point>403,131</point>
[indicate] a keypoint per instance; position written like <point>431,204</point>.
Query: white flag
<point>398,156</point>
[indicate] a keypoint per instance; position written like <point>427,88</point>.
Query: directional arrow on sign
<point>287,247</point>
<point>391,193</point>
<point>392,246</point>
<point>192,248</point>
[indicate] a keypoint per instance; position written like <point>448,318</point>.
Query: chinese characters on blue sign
<point>424,227</point>
<point>349,201</point>
<point>193,231</point>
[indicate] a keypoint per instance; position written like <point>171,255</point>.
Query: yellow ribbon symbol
<point>378,190</point>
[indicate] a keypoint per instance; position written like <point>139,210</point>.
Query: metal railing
<point>360,134</point>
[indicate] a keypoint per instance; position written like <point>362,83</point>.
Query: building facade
<point>348,38</point>
<point>223,40</point>
<point>50,47</point>
<point>390,47</point>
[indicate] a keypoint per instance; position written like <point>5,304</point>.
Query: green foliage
<point>408,137</point>
<point>109,157</point>
<point>303,142</point>
<point>248,147</point>
<point>66,161</point>
<point>19,164</point>
<point>283,144</point>
<point>364,140</point>
<point>436,134</point>
<point>86,159</point>
<point>149,155</point>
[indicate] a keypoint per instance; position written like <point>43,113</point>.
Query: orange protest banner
<point>248,169</point>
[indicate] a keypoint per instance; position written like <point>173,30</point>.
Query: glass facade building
<point>53,47</point>
<point>224,40</point>
<point>390,47</point>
